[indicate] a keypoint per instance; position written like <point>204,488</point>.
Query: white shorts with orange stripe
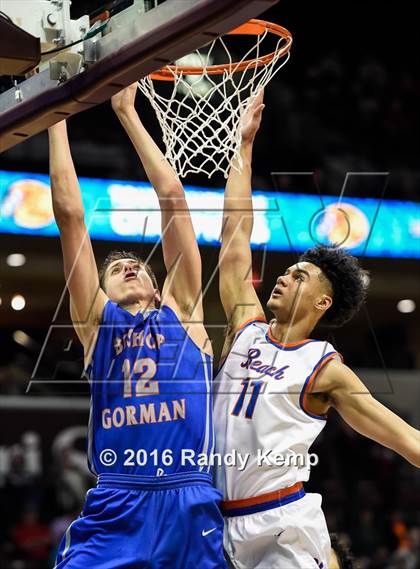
<point>292,536</point>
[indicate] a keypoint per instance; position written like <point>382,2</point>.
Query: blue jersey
<point>151,403</point>
<point>151,407</point>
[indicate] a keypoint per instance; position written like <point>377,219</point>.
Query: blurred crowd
<point>37,509</point>
<point>336,116</point>
<point>370,497</point>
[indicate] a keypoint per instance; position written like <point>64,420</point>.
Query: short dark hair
<point>342,551</point>
<point>348,280</point>
<point>118,255</point>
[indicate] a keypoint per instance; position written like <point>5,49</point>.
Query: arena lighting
<point>406,306</point>
<point>18,302</point>
<point>21,338</point>
<point>16,260</point>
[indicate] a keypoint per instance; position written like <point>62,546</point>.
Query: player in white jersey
<point>277,384</point>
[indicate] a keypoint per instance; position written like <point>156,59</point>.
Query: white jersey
<point>260,412</point>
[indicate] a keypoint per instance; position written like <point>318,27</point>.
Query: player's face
<point>301,288</point>
<point>127,282</point>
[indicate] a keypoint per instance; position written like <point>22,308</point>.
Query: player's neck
<point>140,306</point>
<point>287,333</point>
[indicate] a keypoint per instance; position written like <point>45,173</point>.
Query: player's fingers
<point>260,96</point>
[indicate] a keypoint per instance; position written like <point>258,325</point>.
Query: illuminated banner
<point>128,211</point>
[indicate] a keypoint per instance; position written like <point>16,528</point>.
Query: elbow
<point>236,232</point>
<point>173,197</point>
<point>410,449</point>
<point>67,205</point>
<point>234,254</point>
<point>66,214</point>
<point>61,177</point>
<point>233,267</point>
<point>414,457</point>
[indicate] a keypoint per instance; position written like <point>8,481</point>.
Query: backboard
<point>117,49</point>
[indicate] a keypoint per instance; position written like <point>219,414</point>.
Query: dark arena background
<point>347,101</point>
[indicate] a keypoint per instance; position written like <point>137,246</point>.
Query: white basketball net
<point>200,119</point>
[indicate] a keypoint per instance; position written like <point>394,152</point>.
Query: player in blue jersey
<point>148,361</point>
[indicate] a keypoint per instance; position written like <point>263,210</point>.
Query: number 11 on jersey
<point>256,390</point>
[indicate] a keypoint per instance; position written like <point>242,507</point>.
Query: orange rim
<point>251,28</point>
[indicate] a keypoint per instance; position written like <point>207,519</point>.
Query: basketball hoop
<point>201,112</point>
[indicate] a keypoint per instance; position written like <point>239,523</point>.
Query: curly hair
<point>342,551</point>
<point>348,280</point>
<point>118,255</point>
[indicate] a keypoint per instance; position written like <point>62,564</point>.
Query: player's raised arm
<point>350,397</point>
<point>182,289</point>
<point>87,299</point>
<point>239,299</point>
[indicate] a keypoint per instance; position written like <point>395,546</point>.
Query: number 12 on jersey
<point>145,368</point>
<point>256,390</point>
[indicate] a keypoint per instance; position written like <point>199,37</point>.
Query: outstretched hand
<point>250,122</point>
<point>124,100</point>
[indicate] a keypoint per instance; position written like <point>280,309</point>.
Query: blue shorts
<point>138,522</point>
